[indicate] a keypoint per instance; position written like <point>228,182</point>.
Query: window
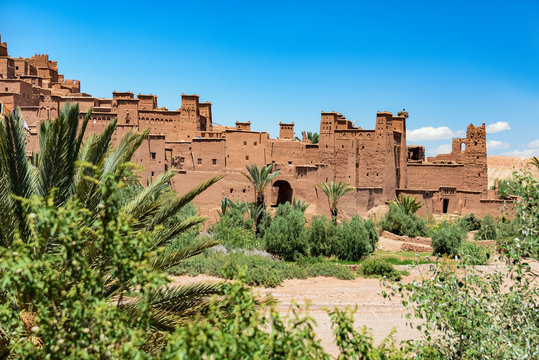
<point>231,190</point>
<point>166,167</point>
<point>245,143</point>
<point>16,68</point>
<point>214,161</point>
<point>152,155</point>
<point>254,143</point>
<point>199,161</point>
<point>290,163</point>
<point>243,191</point>
<point>152,173</point>
<point>246,157</point>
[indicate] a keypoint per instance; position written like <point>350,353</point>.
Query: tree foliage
<point>82,172</point>
<point>334,191</point>
<point>260,178</point>
<point>408,204</point>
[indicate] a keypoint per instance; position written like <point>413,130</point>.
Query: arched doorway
<point>281,192</point>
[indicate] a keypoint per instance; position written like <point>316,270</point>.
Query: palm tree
<point>300,205</point>
<point>408,204</point>
<point>260,178</point>
<point>535,162</point>
<point>56,168</point>
<point>313,136</point>
<point>334,191</point>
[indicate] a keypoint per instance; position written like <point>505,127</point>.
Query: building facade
<point>377,162</point>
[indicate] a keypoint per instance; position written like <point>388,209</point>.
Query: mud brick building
<point>377,162</point>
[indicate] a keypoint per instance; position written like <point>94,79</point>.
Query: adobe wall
<point>374,162</point>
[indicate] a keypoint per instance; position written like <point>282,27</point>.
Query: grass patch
<point>261,271</point>
<point>380,267</point>
<point>394,258</point>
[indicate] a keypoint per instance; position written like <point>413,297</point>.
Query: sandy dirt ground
<point>377,313</point>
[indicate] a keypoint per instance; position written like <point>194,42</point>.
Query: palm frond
<point>173,207</point>
<point>174,305</point>
<point>58,153</point>
<point>170,259</point>
<point>145,204</point>
<point>18,174</point>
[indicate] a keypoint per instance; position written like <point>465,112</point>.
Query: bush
<point>447,239</point>
<point>375,266</point>
<point>261,271</point>
<point>355,239</point>
<point>506,187</point>
<point>321,235</point>
<point>287,236</point>
<point>469,222</point>
<point>398,222</point>
<point>471,253</point>
<point>488,229</point>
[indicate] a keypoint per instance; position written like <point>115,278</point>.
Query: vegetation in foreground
<point>83,272</point>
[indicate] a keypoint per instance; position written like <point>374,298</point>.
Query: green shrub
<point>398,222</point>
<point>354,240</point>
<point>287,235</point>
<point>470,253</point>
<point>375,266</point>
<point>506,187</point>
<point>447,239</point>
<point>320,236</point>
<point>488,229</point>
<point>261,271</point>
<point>469,222</point>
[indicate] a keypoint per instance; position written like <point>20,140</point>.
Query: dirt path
<point>373,310</point>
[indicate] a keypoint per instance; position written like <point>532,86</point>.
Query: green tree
<point>408,204</point>
<point>313,136</point>
<point>260,178</point>
<point>334,192</point>
<point>54,169</point>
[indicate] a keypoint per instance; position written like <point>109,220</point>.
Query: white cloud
<point>441,149</point>
<point>496,145</point>
<point>429,133</point>
<point>534,144</point>
<point>498,127</point>
<point>523,153</point>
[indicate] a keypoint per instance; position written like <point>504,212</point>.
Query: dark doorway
<point>445,205</point>
<point>282,191</point>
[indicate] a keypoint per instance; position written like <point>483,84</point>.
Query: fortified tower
<point>286,131</point>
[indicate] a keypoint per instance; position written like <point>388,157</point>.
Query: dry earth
<point>374,311</point>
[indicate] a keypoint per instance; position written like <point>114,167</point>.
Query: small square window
<point>153,155</point>
<point>245,143</point>
<point>214,161</point>
<point>199,161</point>
<point>246,157</point>
<point>231,190</point>
<point>254,143</point>
<point>290,163</point>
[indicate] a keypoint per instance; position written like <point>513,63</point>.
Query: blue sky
<point>448,63</point>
